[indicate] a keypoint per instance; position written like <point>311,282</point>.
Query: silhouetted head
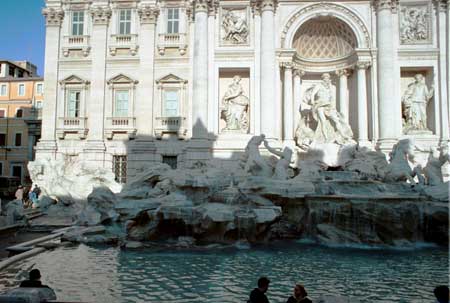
<point>442,293</point>
<point>263,284</point>
<point>300,291</point>
<point>35,275</point>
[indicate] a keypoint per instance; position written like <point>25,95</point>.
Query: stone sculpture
<point>282,167</point>
<point>320,121</point>
<point>252,161</point>
<point>235,28</point>
<point>235,107</point>
<point>414,104</point>
<point>414,24</point>
<point>399,168</point>
<point>433,169</point>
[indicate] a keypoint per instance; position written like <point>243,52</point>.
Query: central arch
<point>321,10</point>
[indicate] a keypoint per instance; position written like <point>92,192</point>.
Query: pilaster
<point>288,105</point>
<point>363,133</point>
<point>343,75</point>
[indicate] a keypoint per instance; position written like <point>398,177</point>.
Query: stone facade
<point>131,82</point>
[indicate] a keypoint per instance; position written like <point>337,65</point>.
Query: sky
<point>22,28</point>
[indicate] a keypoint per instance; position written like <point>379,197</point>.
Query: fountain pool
<point>111,275</point>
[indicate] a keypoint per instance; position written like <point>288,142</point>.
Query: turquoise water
<point>111,275</point>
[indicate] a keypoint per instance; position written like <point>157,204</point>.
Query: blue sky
<point>22,28</point>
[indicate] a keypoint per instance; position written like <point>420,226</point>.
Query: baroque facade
<point>130,82</point>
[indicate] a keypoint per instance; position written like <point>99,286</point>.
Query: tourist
<point>19,193</point>
<point>442,294</point>
<point>32,199</point>
<point>258,294</point>
<point>300,295</point>
<point>34,280</point>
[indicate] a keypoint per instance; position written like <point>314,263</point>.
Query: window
<point>2,139</point>
<point>73,104</point>
<point>1,168</point>
<point>171,161</point>
<point>39,89</point>
<point>173,20</point>
<point>2,113</point>
<point>16,171</point>
<point>38,104</point>
<point>18,139</point>
<point>77,23</point>
<point>171,103</point>
<point>120,168</point>
<point>3,90</point>
<point>21,90</point>
<point>124,22</point>
<point>121,103</point>
<point>11,71</point>
<point>19,113</point>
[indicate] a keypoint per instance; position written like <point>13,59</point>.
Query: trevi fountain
<point>277,138</point>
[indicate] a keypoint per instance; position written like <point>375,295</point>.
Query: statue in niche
<point>414,105</point>
<point>235,28</point>
<point>252,161</point>
<point>414,24</point>
<point>235,107</point>
<point>320,121</point>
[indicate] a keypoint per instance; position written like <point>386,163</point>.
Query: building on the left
<point>21,100</point>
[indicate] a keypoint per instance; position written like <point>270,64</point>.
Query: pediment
<point>122,79</point>
<point>73,79</point>
<point>171,78</point>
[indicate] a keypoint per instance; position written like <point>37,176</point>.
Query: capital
<point>441,5</point>
<point>148,14</point>
<point>100,15</point>
<point>363,65</point>
<point>287,65</point>
<point>53,16</point>
<point>386,4</point>
<point>345,72</point>
<point>298,72</point>
<point>268,5</point>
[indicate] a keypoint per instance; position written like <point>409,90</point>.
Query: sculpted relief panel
<point>234,26</point>
<point>415,24</point>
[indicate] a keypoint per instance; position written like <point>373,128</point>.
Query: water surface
<point>110,275</point>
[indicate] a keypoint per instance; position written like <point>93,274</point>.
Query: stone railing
<point>129,42</point>
<point>172,41</point>
<point>171,125</point>
<point>117,125</point>
<point>76,43</point>
<point>75,125</point>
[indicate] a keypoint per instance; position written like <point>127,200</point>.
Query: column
<point>212,119</point>
<point>389,123</point>
<point>268,105</point>
<point>256,110</point>
<point>95,104</point>
<point>145,102</point>
<point>443,29</point>
<point>288,106</point>
<point>200,79</point>
<point>54,18</point>
<point>298,74</point>
<point>343,75</point>
<point>362,102</point>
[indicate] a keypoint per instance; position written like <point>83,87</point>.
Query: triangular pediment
<point>121,78</point>
<point>170,78</point>
<point>73,79</point>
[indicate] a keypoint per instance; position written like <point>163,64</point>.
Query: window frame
<point>4,85</point>
<point>77,108</point>
<point>115,109</point>
<point>11,171</point>
<point>171,21</point>
<point>79,24</point>
<point>128,16</point>
<point>18,89</point>
<point>41,92</point>
<point>164,109</point>
<point>15,139</point>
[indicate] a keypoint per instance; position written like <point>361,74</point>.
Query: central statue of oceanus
<point>320,122</point>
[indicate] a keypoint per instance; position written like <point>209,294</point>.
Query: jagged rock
<point>99,208</point>
<point>14,212</point>
<point>438,192</point>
